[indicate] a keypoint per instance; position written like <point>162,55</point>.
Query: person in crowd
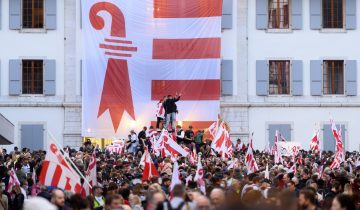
<point>142,138</point>
<point>180,134</point>
<point>18,200</point>
<point>133,142</point>
<point>217,197</point>
<point>178,201</point>
<point>58,199</point>
<point>202,203</point>
<point>307,200</point>
<point>24,188</point>
<point>99,200</point>
<point>343,202</point>
<point>171,110</point>
<point>189,137</point>
<point>114,202</point>
<point>4,202</point>
<point>198,139</point>
<point>160,113</point>
<point>78,203</point>
<point>39,203</point>
<point>135,202</point>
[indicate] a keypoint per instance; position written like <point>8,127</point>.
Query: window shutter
<point>316,77</point>
<point>50,14</point>
<point>262,78</point>
<point>297,77</point>
<point>226,20</point>
<point>351,75</point>
<point>328,139</point>
<point>284,129</point>
<point>15,77</point>
<point>350,11</point>
<point>315,14</point>
<point>226,77</point>
<point>296,9</point>
<point>15,14</point>
<point>261,14</point>
<point>49,77</point>
<point>32,136</point>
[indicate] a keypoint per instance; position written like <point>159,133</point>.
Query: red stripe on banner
<point>187,8</point>
<point>57,175</point>
<point>118,41</point>
<point>118,54</point>
<point>186,48</point>
<point>44,170</point>
<point>113,47</point>
<point>190,89</point>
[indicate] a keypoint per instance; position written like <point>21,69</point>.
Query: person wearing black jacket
<point>171,110</point>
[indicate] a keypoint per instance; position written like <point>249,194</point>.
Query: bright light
<point>180,123</point>
<point>88,130</point>
<point>133,124</point>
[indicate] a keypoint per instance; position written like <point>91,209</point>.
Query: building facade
<point>288,65</point>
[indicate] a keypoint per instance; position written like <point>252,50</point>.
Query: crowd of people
<point>120,184</point>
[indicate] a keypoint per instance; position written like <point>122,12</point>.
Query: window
<point>33,13</point>
<point>333,74</point>
<point>333,13</point>
<point>32,77</point>
<point>279,77</point>
<point>278,14</point>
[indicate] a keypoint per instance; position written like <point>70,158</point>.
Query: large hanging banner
<point>137,51</point>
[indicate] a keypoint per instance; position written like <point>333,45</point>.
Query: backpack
<point>169,207</point>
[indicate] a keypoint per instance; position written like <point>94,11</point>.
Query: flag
<point>117,147</point>
<point>199,177</point>
<point>193,156</point>
<point>314,145</point>
<point>90,175</point>
<point>149,167</point>
<point>250,161</point>
<point>267,174</point>
<point>13,181</point>
<point>175,178</point>
<point>222,142</point>
<point>214,127</point>
<point>339,148</point>
<point>276,149</point>
<point>130,67</point>
<point>57,172</point>
<point>292,169</point>
<point>160,111</point>
<point>167,146</point>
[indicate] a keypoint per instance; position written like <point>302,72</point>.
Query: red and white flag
<point>250,161</point>
<point>130,67</point>
<point>117,147</point>
<point>90,175</point>
<point>314,145</point>
<point>167,146</point>
<point>222,142</point>
<point>175,178</point>
<point>57,172</point>
<point>193,156</point>
<point>13,181</point>
<point>276,149</point>
<point>214,127</point>
<point>199,177</point>
<point>160,111</point>
<point>339,148</point>
<point>149,167</point>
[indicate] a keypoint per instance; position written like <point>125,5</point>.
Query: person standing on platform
<point>171,110</point>
<point>160,113</point>
<point>180,134</point>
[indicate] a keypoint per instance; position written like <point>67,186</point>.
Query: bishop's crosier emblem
<point>116,93</point>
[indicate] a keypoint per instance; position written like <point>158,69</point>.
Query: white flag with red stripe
<point>175,178</point>
<point>339,147</point>
<point>90,175</point>
<point>149,166</point>
<point>138,51</point>
<point>315,143</point>
<point>222,142</point>
<point>199,177</point>
<point>13,181</point>
<point>214,127</point>
<point>276,149</point>
<point>167,146</point>
<point>57,172</point>
<point>250,161</point>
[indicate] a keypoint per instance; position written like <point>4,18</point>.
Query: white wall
<point>41,45</point>
<point>301,111</point>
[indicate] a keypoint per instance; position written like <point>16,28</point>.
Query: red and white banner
<point>149,167</point>
<point>13,181</point>
<point>91,176</point>
<point>56,171</point>
<point>137,51</point>
<point>250,161</point>
<point>315,143</point>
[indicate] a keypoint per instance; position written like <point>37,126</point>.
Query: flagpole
<point>69,160</point>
